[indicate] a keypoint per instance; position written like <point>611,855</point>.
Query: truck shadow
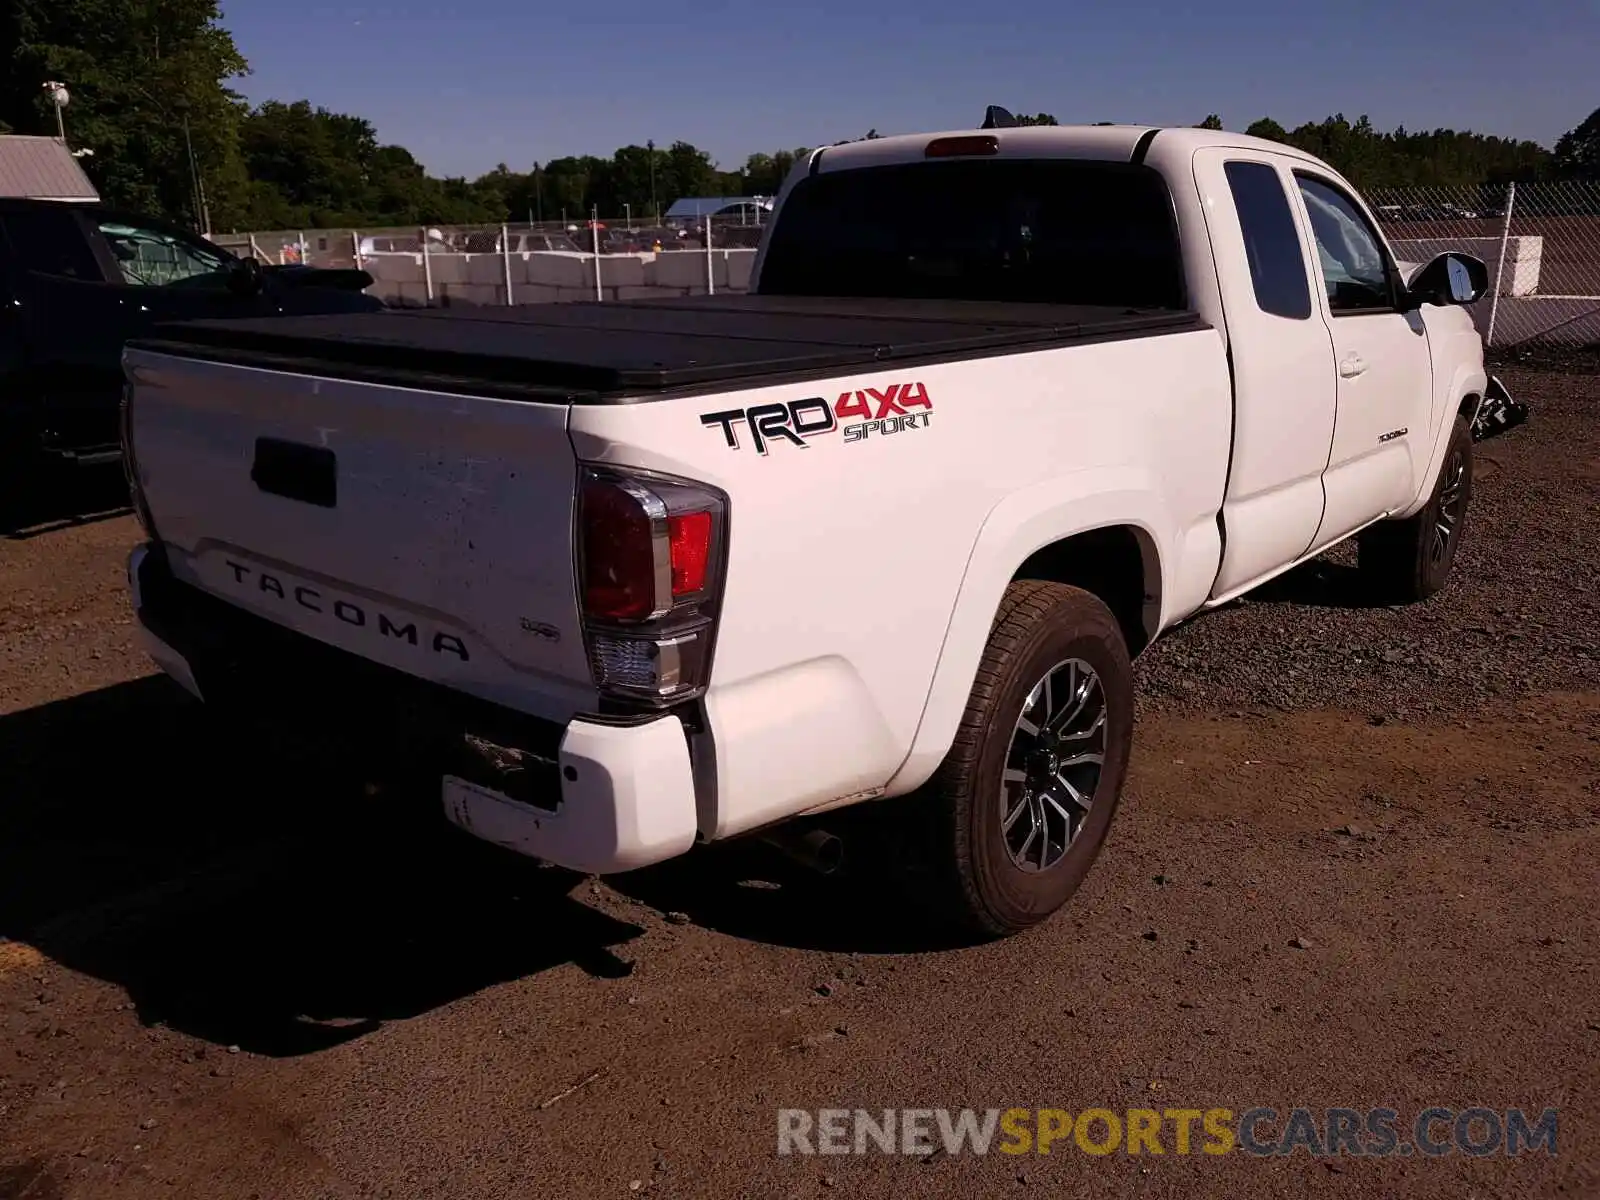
<point>747,890</point>
<point>35,502</point>
<point>258,898</point>
<point>243,886</point>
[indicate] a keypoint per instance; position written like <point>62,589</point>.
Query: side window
<point>1271,242</point>
<point>153,258</point>
<point>50,241</point>
<point>1354,268</point>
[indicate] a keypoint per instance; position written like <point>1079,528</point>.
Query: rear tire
<point>1022,815</point>
<point>1402,562</point>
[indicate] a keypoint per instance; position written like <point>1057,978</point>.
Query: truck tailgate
<point>429,532</point>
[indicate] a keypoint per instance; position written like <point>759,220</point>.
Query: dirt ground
<point>1356,867</point>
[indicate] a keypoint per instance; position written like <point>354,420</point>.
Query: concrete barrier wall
<point>551,277</point>
<point>1523,255</point>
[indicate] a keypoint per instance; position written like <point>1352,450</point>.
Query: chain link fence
<point>1541,242</point>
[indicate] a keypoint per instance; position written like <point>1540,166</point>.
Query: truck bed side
<point>855,558</point>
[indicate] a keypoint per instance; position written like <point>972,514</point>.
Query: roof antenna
<point>995,117</point>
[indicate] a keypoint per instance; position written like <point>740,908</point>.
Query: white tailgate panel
<point>453,516</point>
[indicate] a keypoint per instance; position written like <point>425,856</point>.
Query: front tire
<point>1406,561</point>
<point>1031,783</point>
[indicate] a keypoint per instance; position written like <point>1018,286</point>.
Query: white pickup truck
<point>1002,407</point>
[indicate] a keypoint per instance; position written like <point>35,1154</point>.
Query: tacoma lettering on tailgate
<point>313,600</point>
<point>869,411</point>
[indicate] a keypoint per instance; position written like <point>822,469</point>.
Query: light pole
<point>538,192</point>
<point>627,213</point>
<point>655,209</point>
<point>60,97</point>
<point>202,212</point>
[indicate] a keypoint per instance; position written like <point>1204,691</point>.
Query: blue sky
<point>465,84</point>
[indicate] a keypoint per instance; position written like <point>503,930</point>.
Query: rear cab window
<point>1048,231</point>
<point>1271,241</point>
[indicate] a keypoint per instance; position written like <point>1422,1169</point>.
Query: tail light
<point>130,465</point>
<point>651,555</point>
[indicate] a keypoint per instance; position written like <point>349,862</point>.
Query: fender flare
<point>1020,525</point>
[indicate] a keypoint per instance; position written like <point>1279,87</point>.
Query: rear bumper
<point>599,794</point>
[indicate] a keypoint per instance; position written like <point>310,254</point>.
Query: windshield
<point>1049,231</point>
<point>154,258</point>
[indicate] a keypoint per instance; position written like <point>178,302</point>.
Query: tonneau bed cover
<point>616,351</point>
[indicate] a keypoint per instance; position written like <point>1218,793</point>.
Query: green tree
<point>764,173</point>
<point>1437,158</point>
<point>1577,153</point>
<point>1211,122</point>
<point>135,69</point>
<point>686,171</point>
<point>629,182</point>
<point>1267,128</point>
<point>312,167</point>
<point>317,162</point>
<point>566,186</point>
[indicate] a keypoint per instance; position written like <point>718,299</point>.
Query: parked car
<point>523,243</point>
<point>629,577</point>
<point>77,280</point>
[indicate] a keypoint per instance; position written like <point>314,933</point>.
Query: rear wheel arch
<point>1120,564</point>
<point>1120,557</point>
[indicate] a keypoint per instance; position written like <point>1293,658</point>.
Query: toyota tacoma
<point>1002,407</point>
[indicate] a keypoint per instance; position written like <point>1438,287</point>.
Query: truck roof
<point>1110,143</point>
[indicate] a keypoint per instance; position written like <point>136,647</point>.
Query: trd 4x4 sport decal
<point>869,411</point>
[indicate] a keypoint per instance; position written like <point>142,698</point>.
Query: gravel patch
<point>1520,615</point>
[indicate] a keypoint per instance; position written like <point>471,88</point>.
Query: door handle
<point>1351,365</point>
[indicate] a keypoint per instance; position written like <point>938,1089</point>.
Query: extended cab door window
<point>1355,269</point>
<point>1271,241</point>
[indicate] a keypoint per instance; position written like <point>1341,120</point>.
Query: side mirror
<point>1451,278</point>
<point>246,278</point>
